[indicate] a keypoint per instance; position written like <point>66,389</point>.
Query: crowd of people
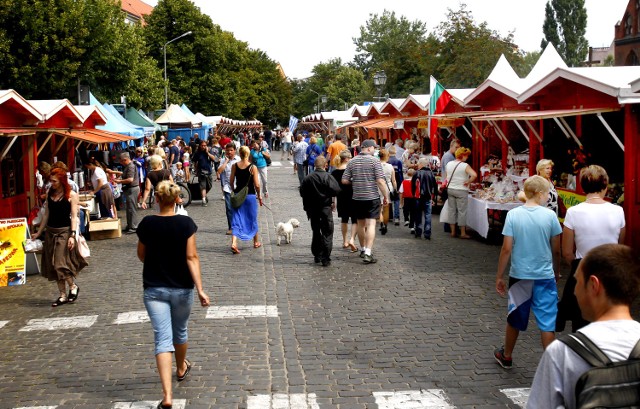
<point>370,187</point>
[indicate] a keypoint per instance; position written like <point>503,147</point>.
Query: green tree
<point>48,47</point>
<point>340,83</point>
<point>211,71</point>
<point>391,44</point>
<point>467,51</point>
<point>565,26</point>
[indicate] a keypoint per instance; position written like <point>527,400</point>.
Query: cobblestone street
<point>415,330</point>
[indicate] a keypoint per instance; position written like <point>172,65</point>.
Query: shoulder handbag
<point>445,186</point>
<point>267,159</point>
<point>83,248</point>
<point>393,193</point>
<point>238,198</point>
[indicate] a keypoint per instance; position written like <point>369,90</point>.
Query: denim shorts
<point>169,310</point>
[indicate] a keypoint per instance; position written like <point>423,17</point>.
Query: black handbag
<point>238,198</point>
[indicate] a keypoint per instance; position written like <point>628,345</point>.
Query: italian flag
<point>437,102</point>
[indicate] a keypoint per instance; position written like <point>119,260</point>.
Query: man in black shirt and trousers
<point>424,180</point>
<point>316,190</point>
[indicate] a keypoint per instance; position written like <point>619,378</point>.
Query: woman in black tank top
<point>61,260</point>
<point>244,222</point>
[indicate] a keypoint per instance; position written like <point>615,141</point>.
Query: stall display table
<point>478,216</point>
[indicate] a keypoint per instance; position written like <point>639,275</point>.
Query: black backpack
<point>607,384</point>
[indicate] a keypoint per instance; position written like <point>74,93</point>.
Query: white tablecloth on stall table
<point>477,216</point>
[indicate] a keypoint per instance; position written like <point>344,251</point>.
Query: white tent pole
<point>573,135</point>
<point>499,132</point>
<point>515,121</point>
<point>533,129</point>
<point>475,126</point>
<point>613,134</point>
<point>566,133</point>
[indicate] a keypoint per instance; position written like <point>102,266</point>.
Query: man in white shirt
<point>287,138</point>
<point>607,283</point>
<point>224,173</point>
<point>399,148</point>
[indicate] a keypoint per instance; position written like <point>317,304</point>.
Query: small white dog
<point>286,230</point>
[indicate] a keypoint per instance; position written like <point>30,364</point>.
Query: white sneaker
<point>406,223</point>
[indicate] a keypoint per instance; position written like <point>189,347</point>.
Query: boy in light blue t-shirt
<point>532,241</point>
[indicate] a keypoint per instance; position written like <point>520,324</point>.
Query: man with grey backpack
<point>598,366</point>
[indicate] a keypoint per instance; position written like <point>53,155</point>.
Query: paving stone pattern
<point>283,332</point>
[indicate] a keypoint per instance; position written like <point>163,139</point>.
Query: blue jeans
<point>228,209</point>
<point>301,172</point>
<point>169,310</point>
<point>396,210</point>
<point>423,207</point>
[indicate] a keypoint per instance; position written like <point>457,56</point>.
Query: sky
<point>300,34</point>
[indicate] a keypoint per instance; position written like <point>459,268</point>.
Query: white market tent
<point>176,117</point>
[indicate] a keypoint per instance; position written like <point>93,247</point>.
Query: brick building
<point>627,36</point>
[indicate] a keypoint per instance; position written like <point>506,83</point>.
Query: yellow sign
<point>570,198</point>
<point>423,124</point>
<point>12,257</point>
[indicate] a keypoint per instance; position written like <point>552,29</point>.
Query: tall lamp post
<point>379,79</point>
<point>323,97</point>
<point>166,84</point>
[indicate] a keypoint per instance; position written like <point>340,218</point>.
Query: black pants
<point>409,211</point>
<point>568,308</point>
<point>322,239</point>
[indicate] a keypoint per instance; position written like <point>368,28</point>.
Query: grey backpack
<point>607,384</point>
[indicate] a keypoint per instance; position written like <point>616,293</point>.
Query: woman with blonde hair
<point>169,282</point>
<point>342,202</point>
<point>244,221</point>
<point>544,168</point>
<point>459,175</point>
<point>155,176</point>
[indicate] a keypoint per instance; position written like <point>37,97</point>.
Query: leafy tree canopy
<point>48,47</point>
<point>211,71</point>
<point>565,26</point>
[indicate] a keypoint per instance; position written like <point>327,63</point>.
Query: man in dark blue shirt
<point>202,160</point>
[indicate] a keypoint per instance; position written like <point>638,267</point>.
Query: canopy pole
<point>467,131</point>
<point>515,121</point>
<point>573,134</point>
<point>6,148</point>
<point>44,144</point>
<point>533,129</point>
<point>60,145</point>
<point>499,132</point>
<point>566,133</point>
<point>613,134</point>
<point>475,126</point>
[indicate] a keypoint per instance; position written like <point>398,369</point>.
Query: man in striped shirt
<point>364,173</point>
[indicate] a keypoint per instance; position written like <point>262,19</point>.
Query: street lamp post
<point>318,104</point>
<point>379,79</point>
<point>166,84</point>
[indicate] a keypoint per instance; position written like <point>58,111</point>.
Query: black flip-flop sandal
<point>72,297</point>
<point>161,406</point>
<point>60,301</point>
<point>186,372</point>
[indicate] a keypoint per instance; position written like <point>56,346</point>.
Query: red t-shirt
<point>406,189</point>
<point>224,141</point>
